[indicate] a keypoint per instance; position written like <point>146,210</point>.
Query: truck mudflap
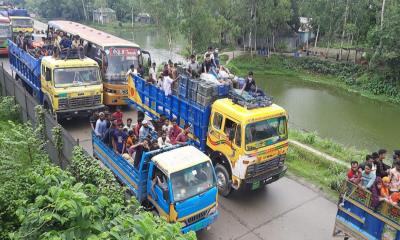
<point>78,112</point>
<point>263,179</point>
<point>202,224</point>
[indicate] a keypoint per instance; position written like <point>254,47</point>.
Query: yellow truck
<point>20,21</point>
<point>66,87</point>
<point>247,140</point>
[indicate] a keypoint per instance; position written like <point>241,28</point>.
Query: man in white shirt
<point>164,141</point>
<point>167,82</point>
<point>132,70</point>
<point>152,73</point>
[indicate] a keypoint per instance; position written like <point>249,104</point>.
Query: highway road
<point>284,210</point>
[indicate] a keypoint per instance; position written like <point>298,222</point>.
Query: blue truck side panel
<point>357,219</point>
<point>185,111</point>
<point>27,67</point>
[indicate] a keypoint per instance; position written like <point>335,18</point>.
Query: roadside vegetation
<point>39,200</point>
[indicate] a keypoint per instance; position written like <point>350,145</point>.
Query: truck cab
<point>178,181</point>
<point>71,87</point>
<point>248,145</point>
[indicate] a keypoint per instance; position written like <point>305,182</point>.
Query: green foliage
<point>9,110</point>
<point>87,170</point>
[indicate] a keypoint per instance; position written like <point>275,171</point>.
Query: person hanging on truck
<point>207,64</point>
<point>368,177</point>
<point>145,130</point>
<point>119,140</point>
<point>93,119</point>
<point>77,45</point>
<point>20,39</point>
<point>355,173</point>
<point>153,73</point>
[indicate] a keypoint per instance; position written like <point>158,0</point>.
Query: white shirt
<point>162,143</point>
<point>134,72</point>
<point>152,73</point>
<point>167,82</point>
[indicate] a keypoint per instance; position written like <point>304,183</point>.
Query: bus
<point>20,21</point>
<point>5,32</point>
<point>113,54</point>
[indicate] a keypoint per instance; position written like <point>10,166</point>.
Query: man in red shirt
<point>118,116</point>
<point>183,136</point>
<point>354,174</point>
<point>175,131</point>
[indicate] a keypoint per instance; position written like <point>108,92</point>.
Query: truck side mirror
<point>48,76</point>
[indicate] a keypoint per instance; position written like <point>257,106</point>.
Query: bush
<point>9,110</point>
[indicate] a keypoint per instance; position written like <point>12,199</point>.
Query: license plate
<point>255,185</point>
<point>199,225</point>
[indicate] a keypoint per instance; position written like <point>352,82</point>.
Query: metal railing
<point>11,87</point>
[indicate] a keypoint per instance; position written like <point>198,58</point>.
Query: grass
<point>316,170</point>
<point>328,146</point>
<point>277,67</point>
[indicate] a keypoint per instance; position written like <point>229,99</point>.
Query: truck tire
<point>223,180</point>
<point>49,108</point>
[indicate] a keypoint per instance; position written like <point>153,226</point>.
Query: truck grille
<point>84,101</point>
<point>256,169</point>
<point>197,217</point>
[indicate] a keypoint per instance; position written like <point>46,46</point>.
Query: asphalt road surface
<point>284,210</point>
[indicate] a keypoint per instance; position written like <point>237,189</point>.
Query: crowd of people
<point>381,179</point>
<point>209,70</point>
<point>52,43</point>
<point>132,140</point>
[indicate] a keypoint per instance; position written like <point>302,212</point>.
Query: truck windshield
<point>192,181</point>
<point>118,62</point>
<point>22,22</point>
<point>65,77</point>
<point>266,132</point>
<point>5,30</point>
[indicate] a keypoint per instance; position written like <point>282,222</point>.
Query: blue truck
<point>356,219</point>
<point>66,87</point>
<point>178,182</point>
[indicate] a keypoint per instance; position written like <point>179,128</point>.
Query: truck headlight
<point>110,90</point>
<point>63,103</point>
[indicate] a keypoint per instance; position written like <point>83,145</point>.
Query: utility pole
<point>382,13</point>
<point>84,10</point>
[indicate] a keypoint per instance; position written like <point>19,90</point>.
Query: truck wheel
<point>223,180</point>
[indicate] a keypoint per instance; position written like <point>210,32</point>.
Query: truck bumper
<point>78,112</point>
<point>202,224</point>
<point>264,179</point>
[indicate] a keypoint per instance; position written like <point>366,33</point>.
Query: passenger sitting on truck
<point>140,148</point>
<point>119,140</point>
<point>145,130</point>
<point>183,136</point>
<point>131,139</point>
<point>385,190</point>
<point>396,156</point>
<point>163,140</point>
<point>78,46</point>
<point>154,145</point>
<point>158,124</point>
<point>65,43</point>
<point>250,83</point>
<point>394,175</point>
<point>368,177</point>
<point>354,174</point>
<point>368,159</point>
<point>129,125</point>
<point>395,198</point>
<point>174,132</point>
<point>375,193</point>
